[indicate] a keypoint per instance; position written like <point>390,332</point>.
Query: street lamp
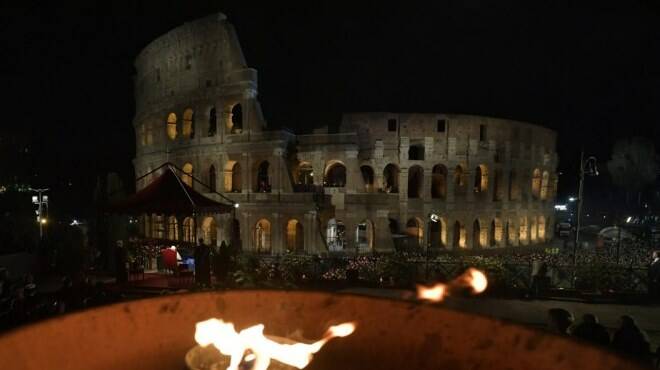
<point>433,218</point>
<point>41,200</point>
<point>587,167</point>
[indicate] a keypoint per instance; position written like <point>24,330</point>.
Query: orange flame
<point>229,342</point>
<point>472,278</point>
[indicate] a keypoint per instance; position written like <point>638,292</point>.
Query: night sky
<point>590,70</point>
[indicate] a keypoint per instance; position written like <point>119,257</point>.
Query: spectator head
<point>627,322</point>
<point>655,254</point>
<point>200,241</point>
<point>559,320</point>
<point>589,318</point>
<point>120,243</point>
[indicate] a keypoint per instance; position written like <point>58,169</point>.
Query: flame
<point>472,278</point>
<point>223,336</point>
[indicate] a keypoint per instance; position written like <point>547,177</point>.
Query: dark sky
<point>590,70</point>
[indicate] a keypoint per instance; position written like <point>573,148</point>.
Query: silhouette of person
<point>591,331</point>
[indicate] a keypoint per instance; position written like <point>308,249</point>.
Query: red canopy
<point>168,194</point>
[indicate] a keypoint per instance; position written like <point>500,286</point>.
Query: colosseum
<point>379,182</point>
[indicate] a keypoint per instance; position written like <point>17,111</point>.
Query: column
<point>354,180</point>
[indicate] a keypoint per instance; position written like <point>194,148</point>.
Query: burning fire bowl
<point>156,334</point>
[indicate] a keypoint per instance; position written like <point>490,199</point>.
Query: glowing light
<point>235,205</point>
<point>628,219</point>
<point>43,221</point>
<point>74,222</point>
<point>229,342</point>
<point>561,207</point>
<point>572,199</point>
<point>473,279</point>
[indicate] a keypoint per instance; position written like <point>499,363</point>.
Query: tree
<point>633,165</point>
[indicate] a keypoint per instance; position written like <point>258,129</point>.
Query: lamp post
<point>587,167</point>
<point>433,218</point>
<point>41,200</point>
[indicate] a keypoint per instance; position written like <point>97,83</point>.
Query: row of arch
<point>176,229</point>
<point>335,176</point>
<point>186,128</point>
<point>496,233</point>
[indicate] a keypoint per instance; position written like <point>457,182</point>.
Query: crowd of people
<point>22,302</point>
<point>628,339</point>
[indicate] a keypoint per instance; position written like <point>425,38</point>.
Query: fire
<point>223,336</point>
<point>472,278</point>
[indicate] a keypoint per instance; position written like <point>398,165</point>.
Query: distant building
<point>491,181</point>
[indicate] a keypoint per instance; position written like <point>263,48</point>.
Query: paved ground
<point>534,312</point>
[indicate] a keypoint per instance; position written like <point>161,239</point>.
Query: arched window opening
<point>187,174</point>
<point>368,177</point>
<point>335,235</point>
<point>438,233</point>
<point>460,235</point>
<point>514,187</point>
<point>364,235</point>
<point>479,235</point>
<point>188,124</point>
<point>335,175</point>
<point>158,226</point>
<point>524,231</point>
<point>189,230</point>
<point>213,123</point>
<point>415,230</point>
<point>460,185</point>
<point>481,179</point>
<point>532,230</point>
<point>541,226</point>
<point>391,179</point>
<point>171,126</point>
<point>233,177</point>
<point>304,177</point>
<point>210,231</point>
<point>536,183</point>
<point>416,152</point>
<point>499,232</point>
<point>172,228</point>
<point>212,179</point>
<point>439,182</point>
<point>262,236</point>
<point>236,119</point>
<point>415,181</point>
<point>263,181</point>
<point>511,233</point>
<point>545,185</point>
<point>294,236</point>
<point>393,226</point>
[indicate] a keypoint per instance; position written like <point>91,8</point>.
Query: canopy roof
<point>168,194</point>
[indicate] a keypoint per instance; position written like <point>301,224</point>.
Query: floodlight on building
<point>561,207</point>
<point>43,221</point>
<point>628,219</point>
<point>235,205</point>
<point>572,199</point>
<point>434,217</point>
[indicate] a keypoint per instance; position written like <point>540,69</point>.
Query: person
<point>540,280</point>
<point>591,331</point>
<point>559,320</point>
<point>121,260</point>
<point>630,339</point>
<point>202,264</point>
<point>654,276</point>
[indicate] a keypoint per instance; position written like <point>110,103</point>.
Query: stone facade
<point>382,181</point>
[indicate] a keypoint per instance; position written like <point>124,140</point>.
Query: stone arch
<point>335,174</point>
<point>303,176</point>
<point>209,231</point>
<point>172,228</point>
<point>262,183</point>
<point>235,121</point>
<point>514,186</point>
<point>189,230</point>
<point>439,182</point>
<point>391,178</point>
<point>233,177</point>
<point>294,236</point>
<point>213,122</point>
<point>545,185</point>
<point>212,179</point>
<point>438,233</point>
<point>368,177</point>
<point>187,177</point>
<point>188,129</point>
<point>496,232</point>
<point>415,181</point>
<point>523,231</point>
<point>460,185</point>
<point>364,235</point>
<point>481,179</point>
<point>536,183</point>
<point>460,237</point>
<point>335,235</point>
<point>532,230</point>
<point>262,236</point>
<point>415,229</point>
<point>510,233</point>
<point>541,227</point>
<point>171,126</point>
<point>477,241</point>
